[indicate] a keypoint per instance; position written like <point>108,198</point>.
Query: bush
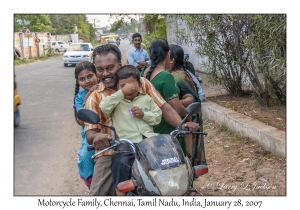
<point>238,47</point>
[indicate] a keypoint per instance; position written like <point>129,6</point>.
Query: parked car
<point>78,52</point>
<point>17,103</point>
<point>59,46</point>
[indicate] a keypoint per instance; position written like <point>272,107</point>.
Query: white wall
<point>189,48</point>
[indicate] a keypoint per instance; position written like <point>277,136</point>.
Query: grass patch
<point>32,60</point>
<point>254,166</point>
<point>236,137</point>
<point>222,128</point>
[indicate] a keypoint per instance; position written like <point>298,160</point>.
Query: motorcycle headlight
<point>171,181</point>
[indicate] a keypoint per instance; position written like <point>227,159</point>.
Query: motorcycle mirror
<point>88,116</point>
<point>193,108</point>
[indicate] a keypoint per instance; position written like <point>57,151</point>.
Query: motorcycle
<point>160,167</point>
<point>118,42</point>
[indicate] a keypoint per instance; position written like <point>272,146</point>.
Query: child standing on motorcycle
<point>86,79</point>
<point>134,114</point>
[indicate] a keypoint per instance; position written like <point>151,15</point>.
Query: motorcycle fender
<point>190,171</point>
<point>145,185</point>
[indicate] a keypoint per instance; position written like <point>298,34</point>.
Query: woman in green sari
<point>164,83</point>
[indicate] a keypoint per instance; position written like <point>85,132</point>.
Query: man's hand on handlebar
<point>101,141</point>
<point>192,126</point>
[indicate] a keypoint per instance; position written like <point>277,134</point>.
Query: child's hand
<point>95,87</point>
<point>130,88</point>
<point>137,112</point>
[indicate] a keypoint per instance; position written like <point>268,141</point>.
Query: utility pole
<point>94,22</point>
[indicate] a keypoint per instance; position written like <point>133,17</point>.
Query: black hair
<point>136,35</point>
<point>128,71</point>
<point>159,49</point>
<point>177,53</point>
<point>79,68</point>
<point>107,48</point>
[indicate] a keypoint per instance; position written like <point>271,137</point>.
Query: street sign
<point>27,31</point>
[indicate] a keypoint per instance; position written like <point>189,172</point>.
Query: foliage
<point>124,23</point>
<point>35,23</point>
<point>49,50</point>
<point>156,26</point>
<point>267,42</point>
<point>62,24</point>
<point>56,24</point>
<point>236,47</point>
<point>220,40</point>
<point>65,24</point>
<point>151,27</point>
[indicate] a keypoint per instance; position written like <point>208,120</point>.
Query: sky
<point>104,19</point>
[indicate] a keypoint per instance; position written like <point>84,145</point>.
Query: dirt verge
<point>238,166</point>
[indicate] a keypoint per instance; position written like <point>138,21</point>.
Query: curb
<point>272,139</point>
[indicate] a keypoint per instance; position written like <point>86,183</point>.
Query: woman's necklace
<point>161,67</point>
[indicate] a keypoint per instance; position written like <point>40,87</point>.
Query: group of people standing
<point>154,89</point>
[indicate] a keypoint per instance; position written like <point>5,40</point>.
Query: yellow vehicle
<point>104,39</point>
<point>17,102</point>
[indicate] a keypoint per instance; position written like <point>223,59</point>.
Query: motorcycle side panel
<point>160,152</point>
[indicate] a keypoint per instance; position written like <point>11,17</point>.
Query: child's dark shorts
<point>121,165</point>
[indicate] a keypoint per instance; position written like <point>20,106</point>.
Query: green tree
<point>35,22</point>
<point>267,43</point>
<point>65,24</point>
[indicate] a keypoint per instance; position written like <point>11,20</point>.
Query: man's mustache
<point>108,77</point>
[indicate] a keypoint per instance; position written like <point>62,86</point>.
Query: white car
<point>78,52</point>
<point>59,46</point>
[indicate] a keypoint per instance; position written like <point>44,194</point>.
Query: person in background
<point>137,56</point>
<point>85,75</point>
<point>189,68</point>
<point>188,94</point>
<point>140,113</point>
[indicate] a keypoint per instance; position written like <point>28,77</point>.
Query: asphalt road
<point>47,139</point>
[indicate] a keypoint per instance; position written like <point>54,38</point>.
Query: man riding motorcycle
<point>118,40</point>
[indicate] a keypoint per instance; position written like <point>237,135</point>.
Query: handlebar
<point>113,143</point>
<point>91,147</point>
<point>185,131</point>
